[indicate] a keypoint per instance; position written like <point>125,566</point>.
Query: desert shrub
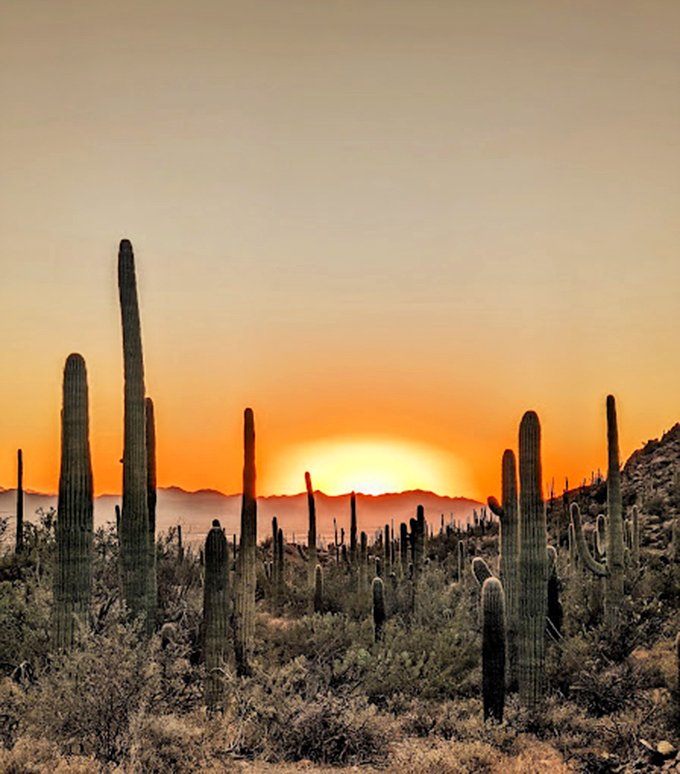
<point>287,717</point>
<point>38,756</point>
<point>164,743</point>
<point>89,696</point>
<point>24,623</point>
<point>447,758</point>
<point>12,708</point>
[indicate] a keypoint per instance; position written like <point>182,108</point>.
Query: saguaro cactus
<point>533,567</point>
<point>73,572</point>
<point>493,649</point>
<point>281,566</point>
<point>612,567</point>
<point>353,548</point>
<point>318,589</point>
<point>134,521</point>
<point>635,539</point>
<point>215,612</point>
<point>508,516</point>
<point>379,609</point>
<point>363,560</point>
<point>19,540</point>
<point>555,612</point>
<point>311,531</point>
<point>246,570</point>
<point>481,571</point>
<point>152,603</point>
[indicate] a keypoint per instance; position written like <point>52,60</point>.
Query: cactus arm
<point>584,554</point>
<point>495,507</point>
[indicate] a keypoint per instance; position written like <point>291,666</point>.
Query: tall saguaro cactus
<point>215,612</point>
<point>151,499</point>
<point>353,558</point>
<point>246,571</point>
<point>612,567</point>
<point>533,567</point>
<point>134,520</point>
<point>508,516</point>
<point>19,541</point>
<point>73,572</point>
<point>379,615</point>
<point>311,532</point>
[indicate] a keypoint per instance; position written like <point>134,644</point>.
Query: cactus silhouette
<point>493,649</point>
<point>245,566</point>
<point>19,540</point>
<point>533,567</point>
<point>612,568</point>
<point>378,609</point>
<point>215,612</point>
<point>134,519</point>
<point>73,572</point>
<point>508,516</point>
<point>281,566</point>
<point>152,604</point>
<point>311,531</point>
<point>353,531</point>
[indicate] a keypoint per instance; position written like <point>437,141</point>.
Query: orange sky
<point>389,227</point>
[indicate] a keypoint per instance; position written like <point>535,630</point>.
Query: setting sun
<point>368,465</point>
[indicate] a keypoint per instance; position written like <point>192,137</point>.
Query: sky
<point>389,227</point>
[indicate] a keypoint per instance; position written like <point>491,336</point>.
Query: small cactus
<point>508,517</point>
<point>555,612</point>
<point>215,612</point>
<point>379,609</point>
<point>480,570</point>
<point>318,589</point>
<point>493,649</point>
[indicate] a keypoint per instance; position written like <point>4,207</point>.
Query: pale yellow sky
<point>407,220</point>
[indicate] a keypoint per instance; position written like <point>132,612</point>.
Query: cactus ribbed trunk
<point>533,567</point>
<point>246,571</point>
<point>615,516</point>
<point>134,520</point>
<point>73,571</point>
<point>493,649</point>
<point>152,603</point>
<point>215,613</point>
<point>19,540</point>
<point>311,532</point>
<point>363,561</point>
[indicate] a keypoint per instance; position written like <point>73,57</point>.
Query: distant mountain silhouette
<point>196,510</point>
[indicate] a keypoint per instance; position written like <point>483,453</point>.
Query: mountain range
<point>196,510</point>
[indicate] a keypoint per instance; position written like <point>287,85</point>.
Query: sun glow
<point>369,465</point>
